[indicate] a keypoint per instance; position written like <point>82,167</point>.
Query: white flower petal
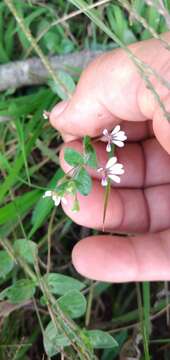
<point>48,193</point>
<point>111,162</point>
<point>57,200</point>
<point>45,115</point>
<point>64,201</point>
<point>118,143</point>
<point>104,181</point>
<point>115,178</point>
<point>120,136</point>
<point>115,130</point>
<point>116,172</point>
<point>105,132</point>
<point>108,147</point>
<point>116,169</point>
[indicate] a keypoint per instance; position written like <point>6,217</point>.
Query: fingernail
<point>59,108</point>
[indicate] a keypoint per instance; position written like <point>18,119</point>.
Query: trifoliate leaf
<point>73,303</point>
<point>60,284</point>
<point>26,249</point>
<point>83,182</point>
<point>100,339</point>
<point>73,157</point>
<point>22,290</point>
<point>90,157</point>
<point>54,340</point>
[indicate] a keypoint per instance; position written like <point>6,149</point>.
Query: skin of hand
<point>111,91</point>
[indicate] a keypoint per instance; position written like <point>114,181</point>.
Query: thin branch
<point>5,118</point>
<point>32,71</point>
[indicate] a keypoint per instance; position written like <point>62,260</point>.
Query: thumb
<point>111,89</point>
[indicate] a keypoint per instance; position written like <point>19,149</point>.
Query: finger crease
<point>144,163</point>
<point>144,184</point>
<point>123,209</point>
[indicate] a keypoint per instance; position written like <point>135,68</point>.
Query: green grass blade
<point>142,323</point>
<point>19,206</point>
<point>146,307</point>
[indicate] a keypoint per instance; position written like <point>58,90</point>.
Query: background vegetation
<point>46,309</point>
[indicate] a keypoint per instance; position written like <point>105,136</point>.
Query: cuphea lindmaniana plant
<point>78,180</point>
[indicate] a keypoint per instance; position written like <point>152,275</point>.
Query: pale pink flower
<point>56,198</point>
<point>112,170</point>
<point>116,137</point>
<point>46,115</point>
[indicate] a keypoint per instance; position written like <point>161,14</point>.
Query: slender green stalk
<point>89,304</point>
<point>49,234</point>
<point>167,303</point>
<point>108,188</point>
<point>106,199</point>
<point>142,324</point>
<point>146,307</point>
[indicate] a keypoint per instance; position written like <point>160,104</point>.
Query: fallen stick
<point>32,72</point>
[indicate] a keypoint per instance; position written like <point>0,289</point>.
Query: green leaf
<point>33,104</point>
<point>112,353</point>
<point>119,24</point>
<point>100,339</point>
<point>19,206</point>
<point>9,38</point>
<point>6,263</point>
<point>83,182</point>
<point>22,290</point>
<point>60,284</point>
<point>44,206</point>
<point>63,86</point>
<point>73,303</point>
<point>90,157</point>
<point>26,249</point>
<point>54,340</point>
<point>73,157</point>
<point>3,55</point>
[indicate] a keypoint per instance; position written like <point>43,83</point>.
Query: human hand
<point>110,92</point>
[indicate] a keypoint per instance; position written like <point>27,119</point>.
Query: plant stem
<point>89,304</point>
<point>142,324</point>
<point>49,240</point>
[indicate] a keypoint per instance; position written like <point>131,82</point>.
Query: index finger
<point>111,89</point>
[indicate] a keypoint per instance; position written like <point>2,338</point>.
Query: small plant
<point>78,180</point>
<point>46,309</point>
